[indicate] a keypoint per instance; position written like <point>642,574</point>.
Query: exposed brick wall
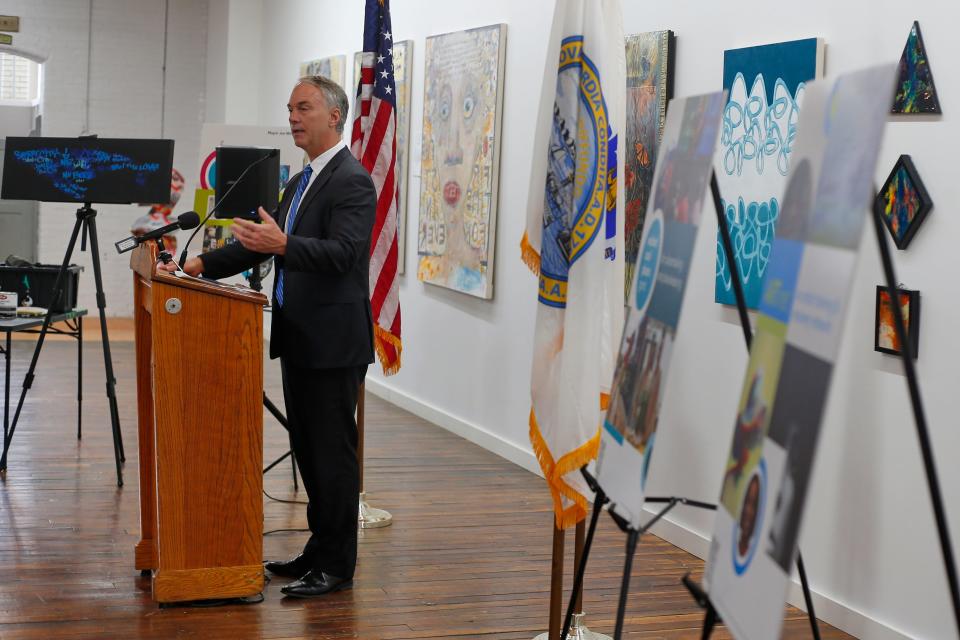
<point>129,97</point>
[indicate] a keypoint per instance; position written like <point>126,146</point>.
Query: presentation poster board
<point>802,311</point>
<point>684,163</point>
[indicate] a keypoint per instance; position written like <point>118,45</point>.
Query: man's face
<point>312,122</point>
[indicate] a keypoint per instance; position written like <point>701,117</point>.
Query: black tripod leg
<point>282,419</point>
<point>79,377</point>
<point>632,538</point>
<point>709,622</point>
<point>811,614</point>
<point>28,378</point>
<point>107,360</point>
<point>582,569</point>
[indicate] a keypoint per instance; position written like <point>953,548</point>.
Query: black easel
<point>919,416</point>
<point>633,535</point>
<point>257,285</point>
<point>87,224</point>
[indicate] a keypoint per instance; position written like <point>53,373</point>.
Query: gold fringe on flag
<point>555,470</point>
<point>529,255</point>
<point>382,339</point>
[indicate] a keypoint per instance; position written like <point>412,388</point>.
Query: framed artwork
<point>650,62</point>
<point>903,202</point>
<point>402,59</point>
<point>766,86</point>
<point>333,67</point>
<point>885,337</point>
<point>460,159</point>
<point>915,92</point>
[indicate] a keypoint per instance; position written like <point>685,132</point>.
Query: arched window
<point>19,80</point>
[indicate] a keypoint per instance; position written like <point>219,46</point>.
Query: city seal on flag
<point>581,169</point>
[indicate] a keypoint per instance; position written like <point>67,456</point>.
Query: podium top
<point>143,261</point>
<point>238,292</point>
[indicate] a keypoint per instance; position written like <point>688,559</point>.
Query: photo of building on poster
<point>656,298</point>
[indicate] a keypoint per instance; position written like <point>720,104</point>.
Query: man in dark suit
<point>322,328</point>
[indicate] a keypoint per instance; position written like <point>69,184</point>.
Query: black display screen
<point>101,170</point>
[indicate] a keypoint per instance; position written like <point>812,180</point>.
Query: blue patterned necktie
<point>291,215</point>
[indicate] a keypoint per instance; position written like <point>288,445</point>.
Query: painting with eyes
<point>462,99</point>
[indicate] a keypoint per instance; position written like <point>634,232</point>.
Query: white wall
<point>869,542</point>
<point>126,94</point>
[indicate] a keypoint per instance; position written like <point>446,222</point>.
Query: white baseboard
<point>467,430</point>
<point>831,611</point>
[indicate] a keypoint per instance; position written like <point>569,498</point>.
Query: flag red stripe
<point>384,113</point>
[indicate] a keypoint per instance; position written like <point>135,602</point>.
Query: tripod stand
<point>86,223</point>
<point>256,283</point>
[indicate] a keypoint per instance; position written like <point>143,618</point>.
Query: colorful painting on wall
<point>402,58</point>
<point>334,67</point>
<point>459,164</point>
<point>650,62</point>
<point>903,202</point>
<point>684,163</point>
<point>885,336</point>
<point>915,92</point>
<point>799,327</point>
<point>766,86</point>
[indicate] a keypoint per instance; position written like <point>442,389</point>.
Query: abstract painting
<point>650,61</point>
<point>885,338</point>
<point>402,57</point>
<point>459,164</point>
<point>915,91</point>
<point>334,68</point>
<point>766,86</point>
<point>903,202</point>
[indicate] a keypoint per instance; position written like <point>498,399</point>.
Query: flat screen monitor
<point>95,170</point>
<point>259,188</point>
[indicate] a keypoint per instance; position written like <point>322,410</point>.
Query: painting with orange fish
<point>649,87</point>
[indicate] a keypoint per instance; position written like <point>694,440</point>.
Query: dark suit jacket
<point>326,320</point>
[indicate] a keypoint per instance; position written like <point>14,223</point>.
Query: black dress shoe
<point>315,583</point>
<point>294,568</point>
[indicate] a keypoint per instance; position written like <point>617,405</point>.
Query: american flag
<point>374,143</point>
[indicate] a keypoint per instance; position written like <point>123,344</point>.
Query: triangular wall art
<point>915,92</point>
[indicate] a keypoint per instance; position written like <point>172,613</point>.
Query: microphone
<point>273,153</point>
<point>187,220</point>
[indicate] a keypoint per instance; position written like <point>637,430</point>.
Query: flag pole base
<point>578,631</point>
<point>371,517</point>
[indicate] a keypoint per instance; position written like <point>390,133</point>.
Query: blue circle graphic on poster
<point>648,262</point>
<point>747,526</point>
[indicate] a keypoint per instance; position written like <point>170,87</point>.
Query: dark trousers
<point>320,407</point>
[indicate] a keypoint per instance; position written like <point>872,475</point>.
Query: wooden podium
<point>200,428</point>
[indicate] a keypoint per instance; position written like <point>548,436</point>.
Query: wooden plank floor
<point>468,555</point>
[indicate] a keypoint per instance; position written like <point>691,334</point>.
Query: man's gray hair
<point>333,93</point>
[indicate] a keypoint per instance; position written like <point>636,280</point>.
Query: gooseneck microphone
<point>187,220</point>
<point>273,153</point>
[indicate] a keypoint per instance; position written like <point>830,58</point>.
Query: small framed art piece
<point>903,202</point>
<point>885,337</point>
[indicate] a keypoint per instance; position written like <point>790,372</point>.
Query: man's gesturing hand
<point>262,238</point>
